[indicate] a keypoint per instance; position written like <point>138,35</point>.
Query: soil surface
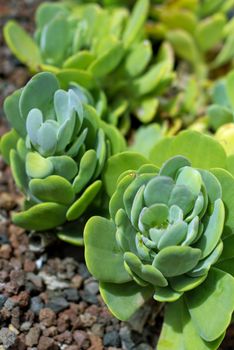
<point>48,300</point>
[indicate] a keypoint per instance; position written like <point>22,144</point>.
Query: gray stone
<point>7,338</point>
<point>3,298</point>
<point>36,305</point>
<point>32,337</point>
<point>126,339</point>
<point>57,304</point>
<point>112,339</point>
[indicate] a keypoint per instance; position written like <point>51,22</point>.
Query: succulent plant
<point>57,150</point>
<point>73,43</point>
<point>169,237</point>
<point>201,32</point>
<point>220,110</point>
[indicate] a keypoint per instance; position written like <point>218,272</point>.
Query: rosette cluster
<point>117,64</point>
<point>169,224</point>
<point>57,150</point>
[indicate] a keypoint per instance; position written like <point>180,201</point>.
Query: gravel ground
<point>48,300</point>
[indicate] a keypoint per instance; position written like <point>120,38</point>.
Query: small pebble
<point>3,298</point>
<point>7,338</point>
<point>32,337</point>
<point>47,317</point>
<point>112,339</point>
<point>57,304</point>
<point>36,305</point>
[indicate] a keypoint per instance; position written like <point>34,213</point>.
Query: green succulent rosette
<point>169,237</point>
<point>57,150</point>
<point>73,42</point>
<point>201,33</point>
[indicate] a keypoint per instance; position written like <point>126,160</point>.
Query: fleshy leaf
<point>119,163</point>
<point>213,154</point>
<point>135,22</point>
<point>38,166</point>
<point>41,217</point>
<point>227,183</point>
<point>38,93</point>
<point>179,333</point>
<point>82,203</point>
<point>124,300</point>
<point>186,258</point>
<point>52,189</point>
<point>213,230</point>
<point>22,45</point>
<point>215,299</point>
<point>7,142</point>
<point>103,257</point>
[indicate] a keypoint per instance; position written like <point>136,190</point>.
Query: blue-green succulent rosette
<point>170,238</point>
<point>57,150</point>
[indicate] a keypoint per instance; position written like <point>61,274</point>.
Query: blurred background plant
<point>119,66</point>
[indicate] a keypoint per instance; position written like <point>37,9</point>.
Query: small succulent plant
<point>199,31</point>
<point>73,43</point>
<point>220,111</point>
<point>57,150</point>
<point>168,237</point>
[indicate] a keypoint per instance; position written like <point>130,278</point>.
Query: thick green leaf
<point>227,183</point>
<point>210,31</point>
<point>38,93</point>
<point>47,11</point>
<point>18,171</point>
<point>54,40</point>
<point>22,45</point>
<point>226,53</point>
<point>184,45</point>
<point>124,300</point>
<point>11,109</point>
<point>87,167</point>
<point>80,60</point>
<point>179,18</point>
<point>211,304</point>
<point>171,166</point>
<point>107,62</point>
<point>82,203</point>
<point>38,166</point>
<point>138,58</point>
<point>151,79</point>
<point>228,251</point>
<point>64,166</point>
<point>203,151</point>
<point>219,115</point>
<point>145,138</point>
<point>147,273</point>
<point>213,230</point>
<point>8,142</point>
<point>41,217</point>
<point>118,164</point>
<point>103,257</point>
<point>74,238</point>
<point>136,22</point>
<point>166,294</point>
<point>179,333</point>
<point>184,283</point>
<point>230,87</point>
<point>146,108</point>
<point>186,259</point>
<point>52,189</point>
<point>79,76</point>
